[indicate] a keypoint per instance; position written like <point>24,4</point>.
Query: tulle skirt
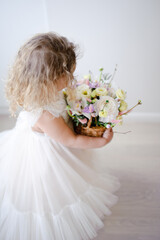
<point>47,192</point>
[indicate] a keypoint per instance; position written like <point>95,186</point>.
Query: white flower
<point>100,91</point>
<point>75,106</point>
<point>83,90</point>
<point>82,87</point>
<point>84,101</point>
<point>112,92</point>
<point>110,108</point>
<point>72,100</point>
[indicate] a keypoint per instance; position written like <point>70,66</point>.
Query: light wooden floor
<point>135,159</point>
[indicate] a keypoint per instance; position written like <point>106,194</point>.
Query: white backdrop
<point>120,32</point>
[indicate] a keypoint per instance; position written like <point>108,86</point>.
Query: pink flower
<point>87,81</point>
<point>93,84</point>
<point>91,108</point>
<point>83,121</point>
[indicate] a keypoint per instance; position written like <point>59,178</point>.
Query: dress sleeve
<point>55,112</point>
<point>36,114</point>
<point>57,108</point>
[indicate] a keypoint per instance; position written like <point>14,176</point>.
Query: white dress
<point>46,191</point>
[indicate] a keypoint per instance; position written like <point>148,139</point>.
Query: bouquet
<point>94,104</point>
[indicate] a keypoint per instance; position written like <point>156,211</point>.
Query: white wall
<point>19,20</point>
<point>126,32</point>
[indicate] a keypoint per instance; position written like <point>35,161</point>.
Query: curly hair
<point>39,63</point>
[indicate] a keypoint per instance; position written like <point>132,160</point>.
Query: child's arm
<point>57,129</point>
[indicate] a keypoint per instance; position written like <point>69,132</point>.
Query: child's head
<point>40,65</point>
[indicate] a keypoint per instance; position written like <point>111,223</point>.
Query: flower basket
<point>94,131</point>
<point>96,104</point>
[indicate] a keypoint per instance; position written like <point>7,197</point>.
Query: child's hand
<point>108,134</point>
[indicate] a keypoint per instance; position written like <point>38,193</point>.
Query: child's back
<point>46,192</point>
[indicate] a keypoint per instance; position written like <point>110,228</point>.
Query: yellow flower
<point>123,106</point>
<point>65,93</point>
<point>93,94</point>
<point>120,94</point>
<point>103,113</point>
<point>87,76</point>
<point>100,91</point>
<point>77,106</point>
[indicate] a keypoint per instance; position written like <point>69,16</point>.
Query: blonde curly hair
<point>39,64</point>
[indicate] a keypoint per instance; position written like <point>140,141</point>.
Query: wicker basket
<point>89,131</point>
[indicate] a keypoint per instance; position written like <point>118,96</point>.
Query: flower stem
<point>113,74</point>
<point>125,112</point>
<point>122,132</point>
<point>101,69</point>
<point>96,120</point>
<point>68,108</point>
<point>89,122</point>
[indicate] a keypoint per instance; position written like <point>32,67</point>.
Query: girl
<point>46,191</point>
